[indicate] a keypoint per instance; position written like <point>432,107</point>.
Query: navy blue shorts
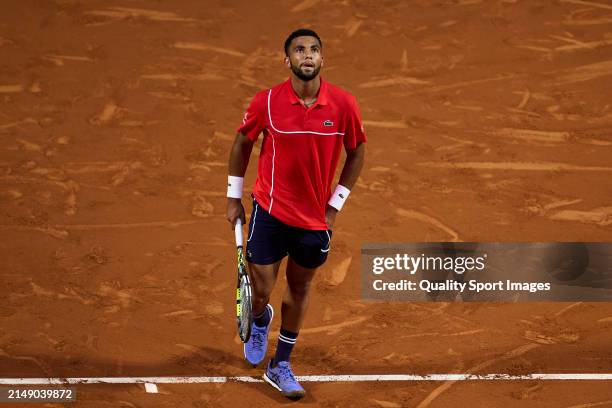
<point>269,240</point>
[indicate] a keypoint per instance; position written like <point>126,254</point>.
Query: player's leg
<point>295,299</point>
<point>293,311</point>
<point>263,279</point>
<point>306,253</point>
<point>266,247</point>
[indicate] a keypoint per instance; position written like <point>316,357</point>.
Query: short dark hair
<point>302,32</point>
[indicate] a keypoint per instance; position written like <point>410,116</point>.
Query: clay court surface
<point>487,121</point>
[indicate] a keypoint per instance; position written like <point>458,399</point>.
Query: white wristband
<point>338,198</point>
<point>234,186</point>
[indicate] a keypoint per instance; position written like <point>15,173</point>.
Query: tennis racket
<point>243,290</point>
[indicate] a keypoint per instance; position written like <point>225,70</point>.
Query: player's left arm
<point>354,145</point>
<point>350,173</point>
<point>352,166</point>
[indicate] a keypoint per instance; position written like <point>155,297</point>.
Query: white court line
<point>308,378</point>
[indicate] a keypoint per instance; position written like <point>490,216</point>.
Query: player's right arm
<point>252,125</point>
<point>238,163</point>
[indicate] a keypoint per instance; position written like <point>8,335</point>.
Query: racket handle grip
<point>238,232</point>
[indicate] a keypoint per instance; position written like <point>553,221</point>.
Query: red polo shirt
<point>300,149</point>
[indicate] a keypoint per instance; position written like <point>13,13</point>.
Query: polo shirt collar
<point>321,99</point>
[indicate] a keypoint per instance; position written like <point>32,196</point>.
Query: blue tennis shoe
<point>255,349</point>
<point>281,377</point>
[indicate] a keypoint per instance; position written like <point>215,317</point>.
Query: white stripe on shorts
<point>328,242</point>
<point>254,219</point>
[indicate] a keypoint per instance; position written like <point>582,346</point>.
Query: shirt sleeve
<point>253,121</point>
<point>354,134</point>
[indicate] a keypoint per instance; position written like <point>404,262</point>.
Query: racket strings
<point>245,307</point>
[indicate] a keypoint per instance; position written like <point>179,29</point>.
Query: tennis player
<point>306,122</point>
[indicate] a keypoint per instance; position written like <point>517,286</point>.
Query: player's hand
<point>235,210</point>
<point>330,216</point>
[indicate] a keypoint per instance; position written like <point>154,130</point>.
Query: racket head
<point>243,300</point>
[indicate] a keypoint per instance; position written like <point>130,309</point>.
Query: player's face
<point>305,57</point>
